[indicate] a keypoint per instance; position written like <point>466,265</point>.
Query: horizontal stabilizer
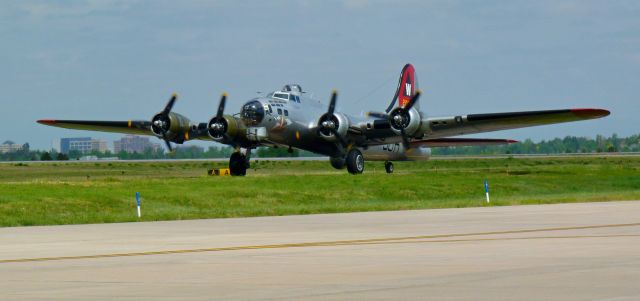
<point>445,142</point>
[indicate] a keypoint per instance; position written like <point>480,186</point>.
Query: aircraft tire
<point>355,161</point>
<point>237,164</point>
<point>337,162</point>
<point>388,166</point>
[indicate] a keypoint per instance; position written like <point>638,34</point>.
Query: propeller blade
<point>332,103</point>
<point>170,104</point>
<point>405,140</point>
<point>342,141</point>
<point>377,115</point>
<point>413,100</point>
<point>166,141</point>
<point>223,100</point>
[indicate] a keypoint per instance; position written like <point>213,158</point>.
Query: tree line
<point>569,144</point>
<point>183,152</point>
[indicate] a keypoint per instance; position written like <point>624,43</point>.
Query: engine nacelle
<point>409,120</point>
<point>173,125</point>
<point>328,124</point>
<point>225,127</point>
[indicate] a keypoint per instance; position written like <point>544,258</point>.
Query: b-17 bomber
<point>291,119</point>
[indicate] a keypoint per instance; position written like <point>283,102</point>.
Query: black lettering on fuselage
<point>392,148</point>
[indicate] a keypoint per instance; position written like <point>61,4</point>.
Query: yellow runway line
<point>387,240</point>
<point>498,239</point>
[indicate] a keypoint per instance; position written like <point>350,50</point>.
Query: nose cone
<point>252,113</point>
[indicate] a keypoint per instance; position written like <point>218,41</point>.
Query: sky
<point>121,60</point>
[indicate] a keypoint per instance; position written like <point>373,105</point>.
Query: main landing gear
<point>238,163</point>
<point>355,161</point>
<point>338,162</point>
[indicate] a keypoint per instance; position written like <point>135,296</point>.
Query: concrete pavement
<point>585,251</point>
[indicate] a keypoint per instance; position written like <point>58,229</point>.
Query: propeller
<point>161,123</point>
<point>221,105</point>
<point>328,123</point>
<point>332,103</point>
<point>218,125</point>
<point>170,104</point>
<point>400,119</point>
<point>379,115</point>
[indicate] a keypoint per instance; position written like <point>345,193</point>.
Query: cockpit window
<point>294,98</point>
<point>281,96</point>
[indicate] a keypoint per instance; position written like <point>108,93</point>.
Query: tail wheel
<point>238,164</point>
<point>388,166</point>
<point>355,161</point>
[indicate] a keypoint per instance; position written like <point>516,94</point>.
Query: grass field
<point>88,192</point>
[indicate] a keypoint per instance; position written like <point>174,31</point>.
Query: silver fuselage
<point>290,119</point>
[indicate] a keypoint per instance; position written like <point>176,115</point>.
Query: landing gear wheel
<point>388,166</point>
<point>238,164</point>
<point>337,162</point>
<point>355,161</point>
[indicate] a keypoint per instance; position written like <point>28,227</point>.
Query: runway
<point>584,251</point>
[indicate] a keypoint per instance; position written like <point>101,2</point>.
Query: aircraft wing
<point>135,127</point>
<point>479,123</point>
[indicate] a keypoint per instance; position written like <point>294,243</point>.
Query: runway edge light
<point>138,202</point>
<point>486,189</point>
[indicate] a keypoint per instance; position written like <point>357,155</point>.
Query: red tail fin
<point>406,87</point>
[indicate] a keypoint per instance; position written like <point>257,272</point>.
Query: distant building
<point>99,145</point>
<point>134,144</point>
<point>55,145</point>
<point>65,143</point>
<point>83,145</point>
<point>11,147</point>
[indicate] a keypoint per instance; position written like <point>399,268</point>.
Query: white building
<point>83,145</point>
<point>55,145</point>
<point>134,144</point>
<point>10,147</point>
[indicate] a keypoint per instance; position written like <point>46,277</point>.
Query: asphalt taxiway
<point>584,251</point>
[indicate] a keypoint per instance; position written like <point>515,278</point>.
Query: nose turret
<point>252,113</point>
